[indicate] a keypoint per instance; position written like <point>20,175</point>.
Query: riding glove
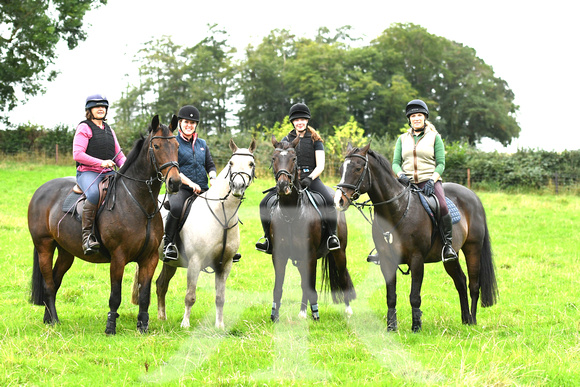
<point>403,179</point>
<point>306,182</point>
<point>429,188</point>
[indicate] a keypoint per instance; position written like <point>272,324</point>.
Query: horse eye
<point>252,165</point>
<point>156,146</point>
<point>231,163</point>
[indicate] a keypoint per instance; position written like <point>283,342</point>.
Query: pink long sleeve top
<point>89,163</point>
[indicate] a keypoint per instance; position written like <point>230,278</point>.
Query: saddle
<point>184,213</point>
<point>432,207</point>
<point>75,199</point>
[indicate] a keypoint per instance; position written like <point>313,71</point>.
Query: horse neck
<point>384,186</point>
<point>219,193</point>
<point>142,170</point>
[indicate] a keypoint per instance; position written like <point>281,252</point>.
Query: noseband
<point>282,171</point>
<point>356,194</point>
<point>158,168</point>
<point>246,177</point>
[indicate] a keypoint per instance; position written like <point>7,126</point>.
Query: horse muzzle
<point>341,203</point>
<point>173,184</point>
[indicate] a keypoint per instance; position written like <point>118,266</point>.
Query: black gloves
<point>429,188</point>
<point>306,182</point>
<point>403,179</point>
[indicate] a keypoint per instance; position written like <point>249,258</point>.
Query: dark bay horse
<point>403,234</point>
<point>296,231</point>
<point>129,225</point>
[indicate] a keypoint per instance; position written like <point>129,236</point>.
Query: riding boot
<point>90,243</point>
<point>265,246</point>
<point>446,228</point>
<point>332,222</point>
<point>374,258</point>
<point>170,250</point>
<point>236,258</point>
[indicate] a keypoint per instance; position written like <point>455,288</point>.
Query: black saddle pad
<point>73,204</point>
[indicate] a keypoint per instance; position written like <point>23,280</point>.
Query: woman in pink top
<point>96,151</point>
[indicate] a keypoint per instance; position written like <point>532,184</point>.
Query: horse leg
<point>162,283</point>
<point>220,294</point>
<point>417,272</point>
<point>390,274</point>
<point>340,282</point>
<point>472,254</point>
<point>280,273</point>
<point>308,283</point>
<point>146,272</point>
<point>193,270</point>
<point>116,275</point>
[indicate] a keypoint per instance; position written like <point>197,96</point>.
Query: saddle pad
<point>453,210</point>
<point>69,204</point>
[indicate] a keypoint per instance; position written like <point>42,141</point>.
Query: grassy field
<point>531,337</point>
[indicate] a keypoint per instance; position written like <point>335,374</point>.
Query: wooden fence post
<point>556,181</point>
<point>469,178</point>
<point>56,154</point>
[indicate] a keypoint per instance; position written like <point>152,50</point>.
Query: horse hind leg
<point>454,270</point>
<point>162,284</point>
<point>190,294</point>
<point>308,283</point>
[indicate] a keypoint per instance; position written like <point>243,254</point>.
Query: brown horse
<point>403,234</point>
<point>296,230</point>
<point>129,225</point>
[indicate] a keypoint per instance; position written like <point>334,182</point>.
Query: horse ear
<point>155,123</point>
<point>366,148</point>
<point>274,141</point>
<point>233,145</point>
<point>295,142</point>
<point>253,145</point>
<point>349,147</point>
<point>174,123</point>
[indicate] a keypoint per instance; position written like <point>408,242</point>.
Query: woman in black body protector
<point>310,157</point>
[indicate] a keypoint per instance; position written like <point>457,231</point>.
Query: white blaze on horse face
<point>344,168</point>
<point>338,193</point>
<point>283,153</point>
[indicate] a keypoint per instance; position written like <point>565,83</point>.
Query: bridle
<point>247,178</point>
<point>356,187</point>
<point>285,172</point>
<point>158,168</point>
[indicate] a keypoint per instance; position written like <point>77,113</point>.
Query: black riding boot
<point>265,246</point>
<point>446,227</point>
<point>90,243</point>
<point>332,222</point>
<point>170,250</point>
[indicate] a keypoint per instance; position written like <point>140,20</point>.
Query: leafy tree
<point>29,33</point>
<point>470,101</point>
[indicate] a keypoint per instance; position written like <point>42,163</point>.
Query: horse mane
<point>382,160</point>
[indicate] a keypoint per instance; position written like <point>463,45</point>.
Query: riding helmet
<point>189,112</point>
<point>417,106</point>
<point>96,100</point>
<point>299,110</point>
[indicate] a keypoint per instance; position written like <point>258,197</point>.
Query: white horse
<point>210,236</point>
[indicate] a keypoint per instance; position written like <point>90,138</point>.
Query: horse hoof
<point>348,311</point>
<point>302,314</point>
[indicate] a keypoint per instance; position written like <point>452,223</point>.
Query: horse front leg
<point>389,271</point>
<point>162,285</point>
<point>116,275</point>
<point>193,270</point>
<point>220,294</point>
<point>308,283</point>
<point>280,273</point>
<point>417,272</point>
<point>146,272</point>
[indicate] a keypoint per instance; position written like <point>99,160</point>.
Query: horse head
<point>284,165</point>
<point>242,168</point>
<point>354,181</point>
<point>163,153</point>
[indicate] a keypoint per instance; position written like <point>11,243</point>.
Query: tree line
<point>336,76</point>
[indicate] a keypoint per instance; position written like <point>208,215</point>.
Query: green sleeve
<point>439,155</point>
<point>398,157</point>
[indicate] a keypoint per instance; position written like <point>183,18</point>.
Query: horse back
<point>473,219</point>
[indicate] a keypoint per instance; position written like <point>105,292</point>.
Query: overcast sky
<point>534,48</point>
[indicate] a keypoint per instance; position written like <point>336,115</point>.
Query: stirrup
<point>264,246</point>
<point>450,258</point>
<point>91,246</point>
<point>333,243</point>
<point>236,258</point>
<point>170,252</point>
<point>373,258</point>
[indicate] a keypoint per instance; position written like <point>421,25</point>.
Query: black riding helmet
<point>189,112</point>
<point>299,110</point>
<point>417,106</point>
<point>96,100</point>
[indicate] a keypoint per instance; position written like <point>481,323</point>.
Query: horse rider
<point>310,159</point>
<point>195,165</point>
<point>419,158</point>
<point>96,151</point>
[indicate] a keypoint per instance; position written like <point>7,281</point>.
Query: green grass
<point>531,337</point>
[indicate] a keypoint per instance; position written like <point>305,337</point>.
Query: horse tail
<point>341,290</point>
<point>487,280</point>
<point>135,291</point>
<point>37,283</point>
